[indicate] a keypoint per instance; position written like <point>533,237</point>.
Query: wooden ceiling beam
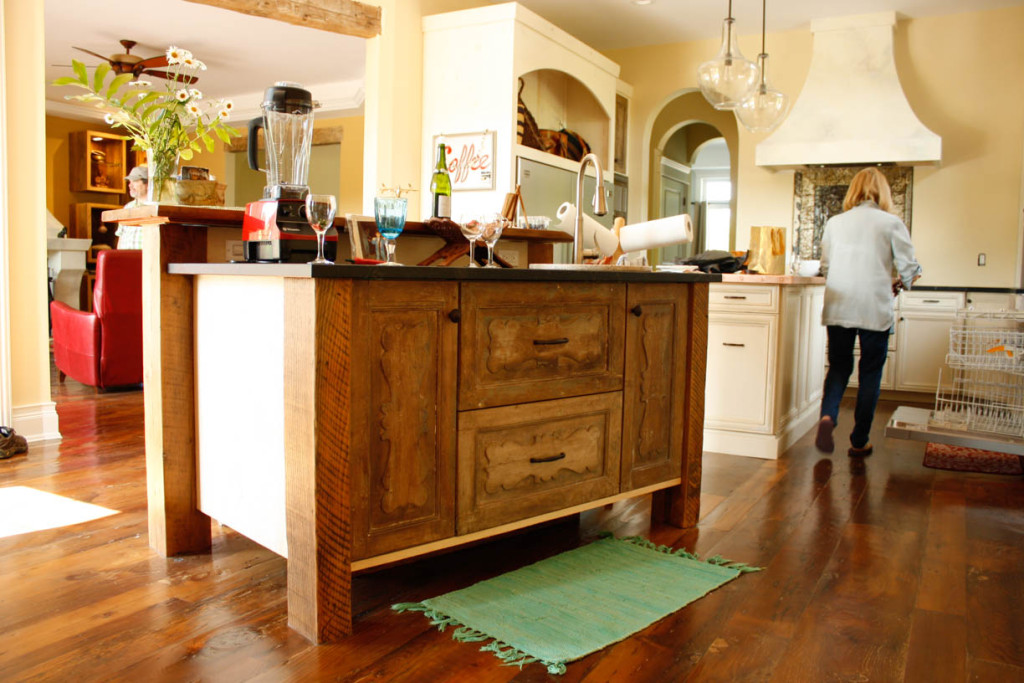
<point>347,17</point>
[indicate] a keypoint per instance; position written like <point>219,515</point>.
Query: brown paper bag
<point>767,250</point>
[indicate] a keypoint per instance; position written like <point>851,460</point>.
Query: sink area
<point>588,267</point>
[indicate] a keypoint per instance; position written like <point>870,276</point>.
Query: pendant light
<point>764,109</point>
<point>727,79</point>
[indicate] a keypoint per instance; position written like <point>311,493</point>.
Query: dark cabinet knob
<point>455,315</point>
<point>637,311</point>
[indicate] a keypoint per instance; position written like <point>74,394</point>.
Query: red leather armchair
<point>103,348</point>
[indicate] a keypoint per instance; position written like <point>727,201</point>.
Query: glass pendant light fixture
<point>727,79</point>
<point>764,109</point>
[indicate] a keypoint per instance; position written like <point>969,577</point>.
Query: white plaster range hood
<point>852,109</point>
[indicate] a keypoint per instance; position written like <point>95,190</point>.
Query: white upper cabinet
<point>472,62</point>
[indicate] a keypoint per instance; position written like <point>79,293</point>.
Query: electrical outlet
<point>981,259</point>
<point>510,255</point>
<point>233,251</point>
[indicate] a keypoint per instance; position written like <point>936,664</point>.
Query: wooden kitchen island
<point>349,417</point>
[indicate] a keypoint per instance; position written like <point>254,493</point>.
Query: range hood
<point>852,109</point>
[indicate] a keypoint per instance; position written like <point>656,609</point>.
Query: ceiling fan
<point>127,63</point>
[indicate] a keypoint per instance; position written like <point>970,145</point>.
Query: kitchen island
<point>349,417</point>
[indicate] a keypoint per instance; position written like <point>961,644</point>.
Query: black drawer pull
<point>733,296</point>
<point>932,301</point>
<point>455,315</point>
<point>733,344</point>
<point>637,311</point>
<point>550,342</point>
<point>550,458</point>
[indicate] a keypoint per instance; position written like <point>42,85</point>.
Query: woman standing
<point>866,257</point>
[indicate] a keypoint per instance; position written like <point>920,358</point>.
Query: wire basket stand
<point>986,361</point>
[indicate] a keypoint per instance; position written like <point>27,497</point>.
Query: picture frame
<point>470,158</point>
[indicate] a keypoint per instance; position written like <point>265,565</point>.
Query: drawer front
<point>931,301</point>
<point>522,342</point>
<point>755,298</point>
<point>741,368</point>
<point>517,462</point>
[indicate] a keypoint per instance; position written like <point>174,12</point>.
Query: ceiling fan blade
<point>184,80</point>
<point>152,63</point>
<point>94,54</point>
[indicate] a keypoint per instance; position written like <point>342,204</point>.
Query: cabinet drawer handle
<point>455,315</point>
<point>550,458</point>
<point>733,344</point>
<point>637,311</point>
<point>550,342</point>
<point>932,301</point>
<point>734,296</point>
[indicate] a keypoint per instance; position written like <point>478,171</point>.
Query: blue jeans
<point>873,348</point>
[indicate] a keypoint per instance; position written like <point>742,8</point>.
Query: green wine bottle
<point>441,187</point>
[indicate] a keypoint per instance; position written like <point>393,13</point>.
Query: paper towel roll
<point>657,233</point>
<point>593,232</point>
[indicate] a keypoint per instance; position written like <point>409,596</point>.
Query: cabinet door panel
<point>652,423</point>
<point>923,344</point>
<point>741,363</point>
<point>403,424</point>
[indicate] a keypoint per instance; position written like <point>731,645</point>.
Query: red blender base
<point>276,231</point>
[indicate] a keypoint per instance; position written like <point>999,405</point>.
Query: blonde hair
<point>868,184</point>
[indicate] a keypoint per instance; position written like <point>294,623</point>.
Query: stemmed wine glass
<point>472,229</point>
<point>390,214</point>
<point>492,224</point>
<point>320,210</point>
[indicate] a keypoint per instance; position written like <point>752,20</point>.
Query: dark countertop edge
<point>986,290</point>
<point>431,273</point>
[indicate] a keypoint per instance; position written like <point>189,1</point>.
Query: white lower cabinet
<point>922,331</point>
<point>765,365</point>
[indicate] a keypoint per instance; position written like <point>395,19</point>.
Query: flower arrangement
<point>169,124</point>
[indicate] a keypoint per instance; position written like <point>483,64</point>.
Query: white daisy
<point>195,93</point>
<point>174,55</point>
<point>182,95</point>
<point>223,114</point>
<point>109,118</point>
<point>189,62</point>
<point>228,105</point>
<point>194,109</point>
<point>201,65</point>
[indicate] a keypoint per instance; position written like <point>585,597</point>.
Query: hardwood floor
<point>874,570</point>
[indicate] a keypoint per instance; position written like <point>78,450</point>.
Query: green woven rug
<point>567,606</point>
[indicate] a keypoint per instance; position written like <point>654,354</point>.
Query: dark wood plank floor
<point>874,570</point>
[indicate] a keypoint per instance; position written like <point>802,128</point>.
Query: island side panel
<point>680,506</point>
<point>175,523</point>
<point>317,380</point>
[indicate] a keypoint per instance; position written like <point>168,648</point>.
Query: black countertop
<point>367,272</point>
<point>986,290</point>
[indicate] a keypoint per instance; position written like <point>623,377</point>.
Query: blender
<point>275,228</point>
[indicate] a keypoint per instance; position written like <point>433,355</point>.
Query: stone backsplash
<point>818,194</point>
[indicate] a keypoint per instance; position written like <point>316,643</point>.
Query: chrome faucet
<point>599,205</point>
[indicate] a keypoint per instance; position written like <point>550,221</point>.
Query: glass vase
<point>163,169</point>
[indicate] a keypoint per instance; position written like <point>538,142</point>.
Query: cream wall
<point>964,77</point>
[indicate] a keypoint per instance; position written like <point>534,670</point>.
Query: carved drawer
<point>517,462</point>
<point>522,342</point>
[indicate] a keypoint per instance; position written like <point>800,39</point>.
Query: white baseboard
<point>37,423</point>
<point>765,446</point>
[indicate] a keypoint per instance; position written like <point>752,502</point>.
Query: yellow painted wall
<point>26,194</point>
<point>963,75</point>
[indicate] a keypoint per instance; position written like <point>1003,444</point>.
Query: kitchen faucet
<point>599,206</point>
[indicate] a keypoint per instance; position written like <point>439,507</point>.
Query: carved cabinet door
<point>404,361</point>
<point>653,422</point>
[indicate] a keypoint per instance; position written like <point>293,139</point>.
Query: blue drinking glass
<point>390,215</point>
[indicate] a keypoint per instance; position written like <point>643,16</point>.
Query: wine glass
<point>320,210</point>
<point>390,215</point>
<point>472,229</point>
<point>493,224</point>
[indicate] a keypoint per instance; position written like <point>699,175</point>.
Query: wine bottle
<point>441,187</point>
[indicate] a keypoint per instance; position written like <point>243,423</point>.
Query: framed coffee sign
<point>470,158</point>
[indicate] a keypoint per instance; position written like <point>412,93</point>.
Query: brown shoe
<point>11,443</point>
<point>824,440</point>
<point>864,452</point>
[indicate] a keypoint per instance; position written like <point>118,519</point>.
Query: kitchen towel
<point>593,232</point>
<point>657,233</point>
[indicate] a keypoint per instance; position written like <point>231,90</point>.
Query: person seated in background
<point>130,236</point>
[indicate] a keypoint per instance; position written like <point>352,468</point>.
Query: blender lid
<point>288,97</point>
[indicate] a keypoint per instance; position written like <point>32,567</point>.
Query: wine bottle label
<point>444,206</point>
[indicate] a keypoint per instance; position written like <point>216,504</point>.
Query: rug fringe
<point>509,655</point>
<point>682,552</point>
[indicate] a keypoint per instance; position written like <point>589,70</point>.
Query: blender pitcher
<point>287,124</point>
